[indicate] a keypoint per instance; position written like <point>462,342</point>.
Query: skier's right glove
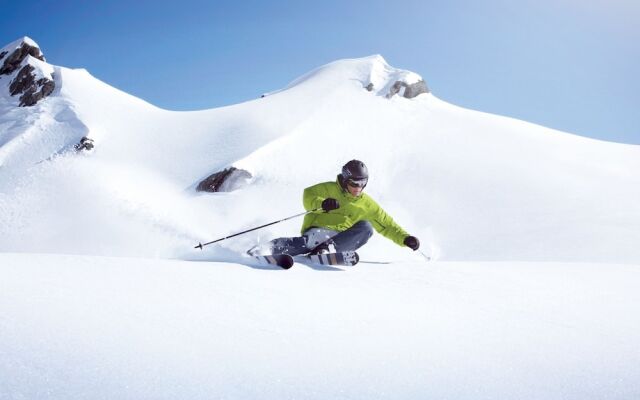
<point>330,204</point>
<point>412,242</point>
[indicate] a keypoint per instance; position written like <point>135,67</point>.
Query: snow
<point>41,68</point>
<point>534,234</point>
<point>141,328</point>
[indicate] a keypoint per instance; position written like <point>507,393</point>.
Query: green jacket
<point>352,209</point>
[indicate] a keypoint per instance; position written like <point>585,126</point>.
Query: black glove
<point>412,242</point>
<point>330,204</point>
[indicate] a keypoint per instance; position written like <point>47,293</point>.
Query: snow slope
<point>90,327</point>
<point>474,186</point>
<point>535,232</point>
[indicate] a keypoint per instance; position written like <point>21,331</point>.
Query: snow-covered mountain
<point>105,184</point>
<point>474,186</point>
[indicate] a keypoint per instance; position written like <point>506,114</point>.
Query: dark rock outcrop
<point>86,144</point>
<point>410,90</point>
<point>13,62</point>
<point>32,90</point>
<point>25,83</point>
<point>227,180</point>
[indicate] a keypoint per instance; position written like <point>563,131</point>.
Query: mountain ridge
<point>472,185</point>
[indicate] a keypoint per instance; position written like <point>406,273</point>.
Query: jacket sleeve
<point>312,197</point>
<point>386,226</point>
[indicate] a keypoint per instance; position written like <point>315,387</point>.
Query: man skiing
<point>347,219</point>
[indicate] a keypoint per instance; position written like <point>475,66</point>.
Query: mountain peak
<point>16,51</point>
<point>388,81</point>
<point>23,63</point>
<point>373,72</point>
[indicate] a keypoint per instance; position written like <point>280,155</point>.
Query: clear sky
<point>571,65</point>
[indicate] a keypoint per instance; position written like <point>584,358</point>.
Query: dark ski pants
<point>350,240</point>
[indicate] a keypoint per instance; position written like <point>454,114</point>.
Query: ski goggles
<point>357,183</point>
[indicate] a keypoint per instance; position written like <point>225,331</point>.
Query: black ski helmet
<point>355,171</point>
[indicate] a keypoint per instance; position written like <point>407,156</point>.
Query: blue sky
<point>567,64</point>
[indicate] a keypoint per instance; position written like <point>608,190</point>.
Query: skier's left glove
<point>330,204</point>
<point>412,242</point>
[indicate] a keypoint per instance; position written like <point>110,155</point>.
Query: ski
<point>345,258</point>
<point>283,261</point>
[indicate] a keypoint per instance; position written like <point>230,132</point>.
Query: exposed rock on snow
<point>17,57</point>
<point>31,135</point>
<point>32,90</point>
<point>388,81</point>
<point>85,144</point>
<point>34,79</point>
<point>407,90</point>
<point>228,180</point>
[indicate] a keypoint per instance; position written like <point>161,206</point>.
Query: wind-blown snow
<point>112,307</point>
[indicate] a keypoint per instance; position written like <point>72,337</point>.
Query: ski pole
<point>201,245</point>
<point>424,255</point>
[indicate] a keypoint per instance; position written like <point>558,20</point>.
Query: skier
<point>347,219</point>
